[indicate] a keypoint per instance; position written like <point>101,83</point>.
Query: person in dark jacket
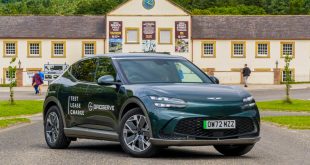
<point>246,72</point>
<point>36,82</point>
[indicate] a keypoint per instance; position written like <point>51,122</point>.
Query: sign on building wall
<point>181,36</point>
<point>115,36</point>
<point>149,36</point>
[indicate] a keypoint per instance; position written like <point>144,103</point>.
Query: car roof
<point>139,55</point>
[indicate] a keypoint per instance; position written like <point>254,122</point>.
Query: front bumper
<point>173,125</point>
<point>163,142</point>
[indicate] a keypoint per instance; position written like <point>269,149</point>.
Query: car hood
<point>191,92</point>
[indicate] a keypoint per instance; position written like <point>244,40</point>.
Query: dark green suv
<point>148,101</point>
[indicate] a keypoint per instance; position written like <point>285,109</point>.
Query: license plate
<point>219,124</point>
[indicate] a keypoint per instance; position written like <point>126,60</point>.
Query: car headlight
<point>165,102</point>
<point>248,102</point>
<point>248,99</point>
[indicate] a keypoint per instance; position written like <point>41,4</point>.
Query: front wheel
<point>234,150</point>
<point>54,129</point>
<point>135,134</point>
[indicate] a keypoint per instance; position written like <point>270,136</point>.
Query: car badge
<point>214,98</point>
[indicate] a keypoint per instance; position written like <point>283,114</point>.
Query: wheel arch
<point>53,101</point>
<point>131,103</point>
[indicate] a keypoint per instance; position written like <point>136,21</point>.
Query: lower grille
<point>194,127</point>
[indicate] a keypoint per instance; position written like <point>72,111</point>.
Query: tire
<point>234,150</point>
<point>135,139</point>
<point>54,130</point>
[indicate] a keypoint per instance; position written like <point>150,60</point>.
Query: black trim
<point>86,133</point>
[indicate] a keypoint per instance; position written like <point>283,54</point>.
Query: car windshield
<point>141,71</point>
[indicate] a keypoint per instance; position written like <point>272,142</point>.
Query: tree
<point>237,10</point>
<point>288,78</point>
<point>12,72</point>
<point>95,7</point>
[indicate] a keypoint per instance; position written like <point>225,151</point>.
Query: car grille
<point>194,127</point>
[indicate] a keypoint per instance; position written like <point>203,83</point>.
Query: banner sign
<point>149,36</point>
<point>149,30</point>
<point>116,30</point>
<point>115,36</point>
<point>181,36</point>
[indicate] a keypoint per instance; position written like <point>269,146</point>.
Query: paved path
<point>261,93</point>
<point>26,145</point>
<point>279,113</point>
<point>277,94</point>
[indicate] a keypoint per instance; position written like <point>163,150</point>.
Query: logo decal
<point>93,107</point>
<point>74,106</point>
<point>148,4</point>
<point>90,106</point>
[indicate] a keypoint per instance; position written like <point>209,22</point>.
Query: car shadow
<point>177,153</point>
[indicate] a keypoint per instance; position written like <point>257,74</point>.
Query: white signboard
<point>53,71</point>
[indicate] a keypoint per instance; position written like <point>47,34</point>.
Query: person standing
<point>246,72</point>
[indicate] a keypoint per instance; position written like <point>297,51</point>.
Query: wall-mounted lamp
<point>19,64</point>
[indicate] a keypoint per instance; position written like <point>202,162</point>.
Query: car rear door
<point>73,93</point>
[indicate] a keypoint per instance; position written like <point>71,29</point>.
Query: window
<point>208,49</point>
<point>105,67</point>
<point>165,35</point>
<point>89,48</point>
<point>9,48</point>
<point>284,76</point>
<point>161,71</point>
<point>287,48</point>
<point>84,70</point>
<point>262,50</point>
<point>7,75</point>
<point>34,49</point>
<point>238,49</point>
<point>186,74</point>
<point>59,49</point>
<point>132,35</point>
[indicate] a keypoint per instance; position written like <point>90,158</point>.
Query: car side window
<point>84,70</point>
<point>105,67</point>
<point>186,75</point>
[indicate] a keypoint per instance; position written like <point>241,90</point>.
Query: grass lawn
<point>8,122</point>
<point>279,105</point>
<point>25,107</point>
<point>293,122</point>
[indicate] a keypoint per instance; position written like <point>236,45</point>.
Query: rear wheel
<point>234,150</point>
<point>135,134</point>
<point>54,129</point>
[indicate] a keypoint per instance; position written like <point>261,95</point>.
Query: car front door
<point>102,100</point>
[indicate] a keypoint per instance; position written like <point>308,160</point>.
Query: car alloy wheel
<point>136,133</point>
<point>52,127</point>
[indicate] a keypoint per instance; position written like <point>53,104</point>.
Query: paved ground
<point>277,94</point>
<point>26,145</point>
<point>276,113</point>
<point>260,92</point>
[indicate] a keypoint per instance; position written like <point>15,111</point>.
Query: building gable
<point>136,8</point>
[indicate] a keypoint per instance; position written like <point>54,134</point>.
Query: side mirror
<point>215,80</point>
<point>106,80</point>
